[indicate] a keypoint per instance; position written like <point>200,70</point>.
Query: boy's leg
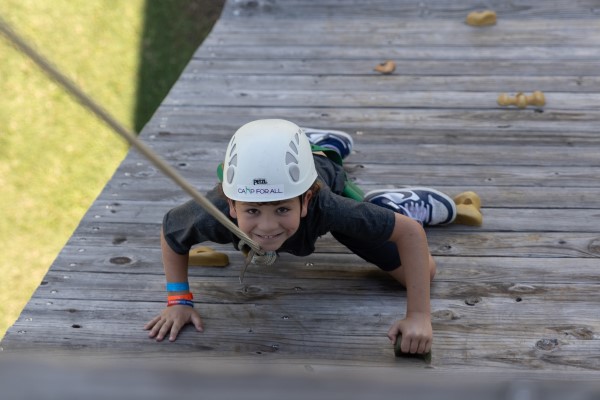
<point>425,205</point>
<point>428,206</point>
<point>339,141</point>
<point>338,145</point>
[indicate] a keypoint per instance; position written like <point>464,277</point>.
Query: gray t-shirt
<point>348,220</point>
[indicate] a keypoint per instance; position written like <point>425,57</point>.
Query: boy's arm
<point>414,274</point>
<point>174,264</point>
<point>172,319</point>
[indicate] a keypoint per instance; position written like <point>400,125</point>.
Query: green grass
<point>55,157</point>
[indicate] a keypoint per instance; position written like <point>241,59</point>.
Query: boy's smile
<point>270,224</point>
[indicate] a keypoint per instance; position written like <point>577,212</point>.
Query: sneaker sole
<point>374,193</point>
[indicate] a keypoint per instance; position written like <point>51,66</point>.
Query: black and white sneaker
<point>339,141</point>
<point>425,205</point>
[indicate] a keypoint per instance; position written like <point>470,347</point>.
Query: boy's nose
<point>267,224</point>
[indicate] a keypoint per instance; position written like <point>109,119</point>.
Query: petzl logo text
<point>260,181</point>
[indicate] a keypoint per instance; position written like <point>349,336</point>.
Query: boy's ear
<point>305,201</point>
<point>232,211</point>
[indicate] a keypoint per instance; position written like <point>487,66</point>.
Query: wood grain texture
<point>519,293</point>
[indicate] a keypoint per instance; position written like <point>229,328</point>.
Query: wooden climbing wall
<point>519,294</point>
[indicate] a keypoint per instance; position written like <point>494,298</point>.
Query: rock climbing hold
<point>481,18</point>
<point>468,209</point>
<point>386,68</point>
<point>206,256</point>
<point>521,100</point>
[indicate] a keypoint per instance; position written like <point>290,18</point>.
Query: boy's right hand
<point>171,320</point>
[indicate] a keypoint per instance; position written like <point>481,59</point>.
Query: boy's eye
<point>251,211</point>
<point>282,210</point>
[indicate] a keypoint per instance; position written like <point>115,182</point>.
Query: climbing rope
<point>256,254</point>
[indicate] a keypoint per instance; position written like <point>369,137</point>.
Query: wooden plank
<point>191,97</point>
<point>234,50</point>
<point>427,153</point>
<point>212,80</point>
<point>193,135</point>
<point>377,118</point>
<point>369,148</point>
<point>404,66</point>
<point>385,9</point>
<point>335,29</point>
<point>392,24</point>
<point>478,253</point>
<point>425,33</point>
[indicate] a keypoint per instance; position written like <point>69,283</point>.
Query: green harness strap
<point>351,190</point>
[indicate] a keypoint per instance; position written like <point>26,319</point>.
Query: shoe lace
<point>417,210</point>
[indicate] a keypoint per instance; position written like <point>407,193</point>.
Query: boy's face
<point>270,224</point>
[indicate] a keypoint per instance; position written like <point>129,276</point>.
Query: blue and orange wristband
<point>179,299</point>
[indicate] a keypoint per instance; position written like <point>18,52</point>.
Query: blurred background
<point>55,157</point>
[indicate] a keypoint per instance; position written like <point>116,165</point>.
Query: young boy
<point>284,196</point>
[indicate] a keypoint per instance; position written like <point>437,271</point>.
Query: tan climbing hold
<point>386,68</point>
<point>481,18</point>
<point>468,198</point>
<point>207,257</point>
<point>521,100</point>
<point>468,209</point>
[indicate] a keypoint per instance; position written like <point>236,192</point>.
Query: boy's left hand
<point>416,331</point>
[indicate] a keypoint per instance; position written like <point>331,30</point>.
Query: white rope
<point>126,134</point>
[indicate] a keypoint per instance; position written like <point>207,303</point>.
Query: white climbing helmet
<point>268,160</point>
